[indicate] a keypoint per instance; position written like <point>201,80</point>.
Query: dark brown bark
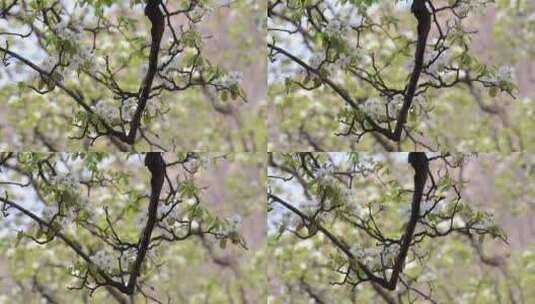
<point>156,17</point>
<point>423,16</point>
<point>420,164</point>
<point>156,166</point>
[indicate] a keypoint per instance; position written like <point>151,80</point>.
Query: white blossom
<point>128,258</point>
<point>235,223</point>
<point>485,223</point>
<point>107,110</point>
<point>104,261</point>
<point>315,61</point>
<point>439,64</point>
<point>374,107</point>
<point>68,218</point>
<point>49,212</point>
<point>128,108</point>
<point>230,79</point>
<point>427,206</point>
<point>64,32</point>
<point>395,104</point>
<point>335,28</point>
<point>341,62</point>
<point>194,225</point>
<point>48,64</point>
<point>200,11</point>
<point>324,171</point>
<point>66,181</point>
<point>505,74</point>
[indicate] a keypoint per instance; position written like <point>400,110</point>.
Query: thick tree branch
<point>423,16</point>
<point>72,244</point>
<point>156,166</point>
<point>339,243</point>
<point>420,164</point>
<point>156,17</point>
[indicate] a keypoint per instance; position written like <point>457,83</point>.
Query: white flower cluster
<point>376,107</point>
<point>105,261</point>
<point>315,61</point>
<point>230,79</point>
<point>335,28</point>
<point>63,30</point>
<point>67,218</point>
<point>324,172</point>
<point>172,65</point>
<point>308,209</point>
<point>440,63</point>
<point>503,75</point>
<point>343,61</point>
<point>49,212</point>
<point>465,8</point>
<point>199,12</point>
<point>233,225</point>
<point>107,110</point>
<point>128,109</point>
<point>395,104</point>
<point>84,58</point>
<point>429,206</point>
<point>65,181</point>
<point>487,222</point>
<point>170,215</point>
<point>128,258</point>
<point>376,258</point>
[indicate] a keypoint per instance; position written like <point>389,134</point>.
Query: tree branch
<point>156,17</point>
<point>424,26</point>
<point>156,166</point>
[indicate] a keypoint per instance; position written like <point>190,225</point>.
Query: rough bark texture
<point>423,16</point>
<point>157,19</point>
<point>156,166</point>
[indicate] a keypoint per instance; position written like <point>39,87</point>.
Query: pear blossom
<point>104,261</point>
<point>65,181</point>
<point>323,172</point>
<point>315,61</point>
<point>374,107</point>
<point>335,28</point>
<point>128,108</point>
<point>106,110</point>
<point>128,258</point>
<point>505,74</point>
<point>485,223</point>
<point>234,223</point>
<point>230,79</point>
<point>199,12</point>
<point>62,29</point>
<point>437,62</point>
<point>49,212</point>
